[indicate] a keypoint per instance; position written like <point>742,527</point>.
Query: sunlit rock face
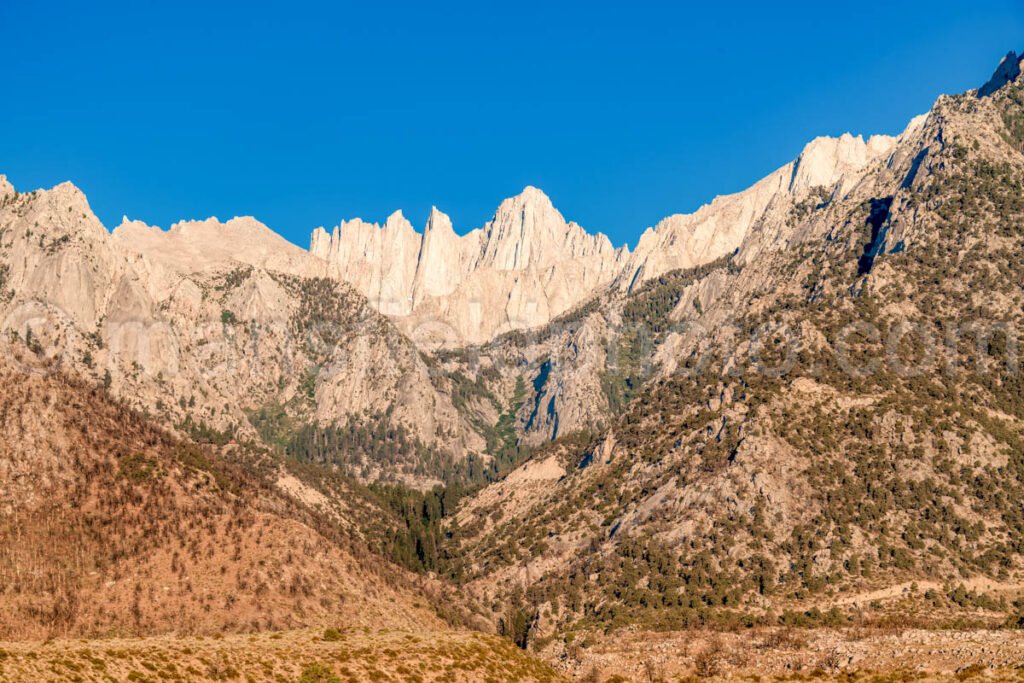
<point>526,266</point>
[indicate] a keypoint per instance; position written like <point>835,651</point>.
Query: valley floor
<point>348,655</point>
<point>779,654</point>
<point>329,656</point>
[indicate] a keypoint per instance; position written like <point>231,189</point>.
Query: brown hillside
<point>110,525</point>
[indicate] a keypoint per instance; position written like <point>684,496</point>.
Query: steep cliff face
<point>1007,72</point>
<point>526,266</point>
<point>379,261</point>
<point>56,249</point>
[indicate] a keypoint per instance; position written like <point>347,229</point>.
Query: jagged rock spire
<point>1007,72</point>
<point>524,266</point>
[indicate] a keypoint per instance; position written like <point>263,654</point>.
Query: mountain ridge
<point>450,289</point>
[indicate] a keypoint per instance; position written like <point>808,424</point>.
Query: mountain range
<point>149,306</point>
<point>786,408</point>
<point>528,265</point>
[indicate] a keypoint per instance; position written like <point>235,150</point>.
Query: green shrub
<point>318,673</point>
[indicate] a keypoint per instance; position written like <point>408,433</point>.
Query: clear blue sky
<point>303,114</point>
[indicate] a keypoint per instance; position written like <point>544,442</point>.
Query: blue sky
<point>304,114</point>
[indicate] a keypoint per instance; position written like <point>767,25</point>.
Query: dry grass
<point>306,656</point>
<point>802,655</point>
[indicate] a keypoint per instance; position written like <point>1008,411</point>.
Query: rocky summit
<point>528,265</point>
<point>783,436</point>
<point>522,269</point>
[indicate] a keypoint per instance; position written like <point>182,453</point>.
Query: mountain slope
<point>110,525</point>
<point>226,328</point>
<point>835,408</point>
<point>717,229</point>
<point>206,325</point>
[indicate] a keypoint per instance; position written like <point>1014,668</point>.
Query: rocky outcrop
<point>526,266</point>
<point>6,189</point>
<point>205,246</point>
<point>1007,72</point>
<point>379,261</point>
<point>689,240</point>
